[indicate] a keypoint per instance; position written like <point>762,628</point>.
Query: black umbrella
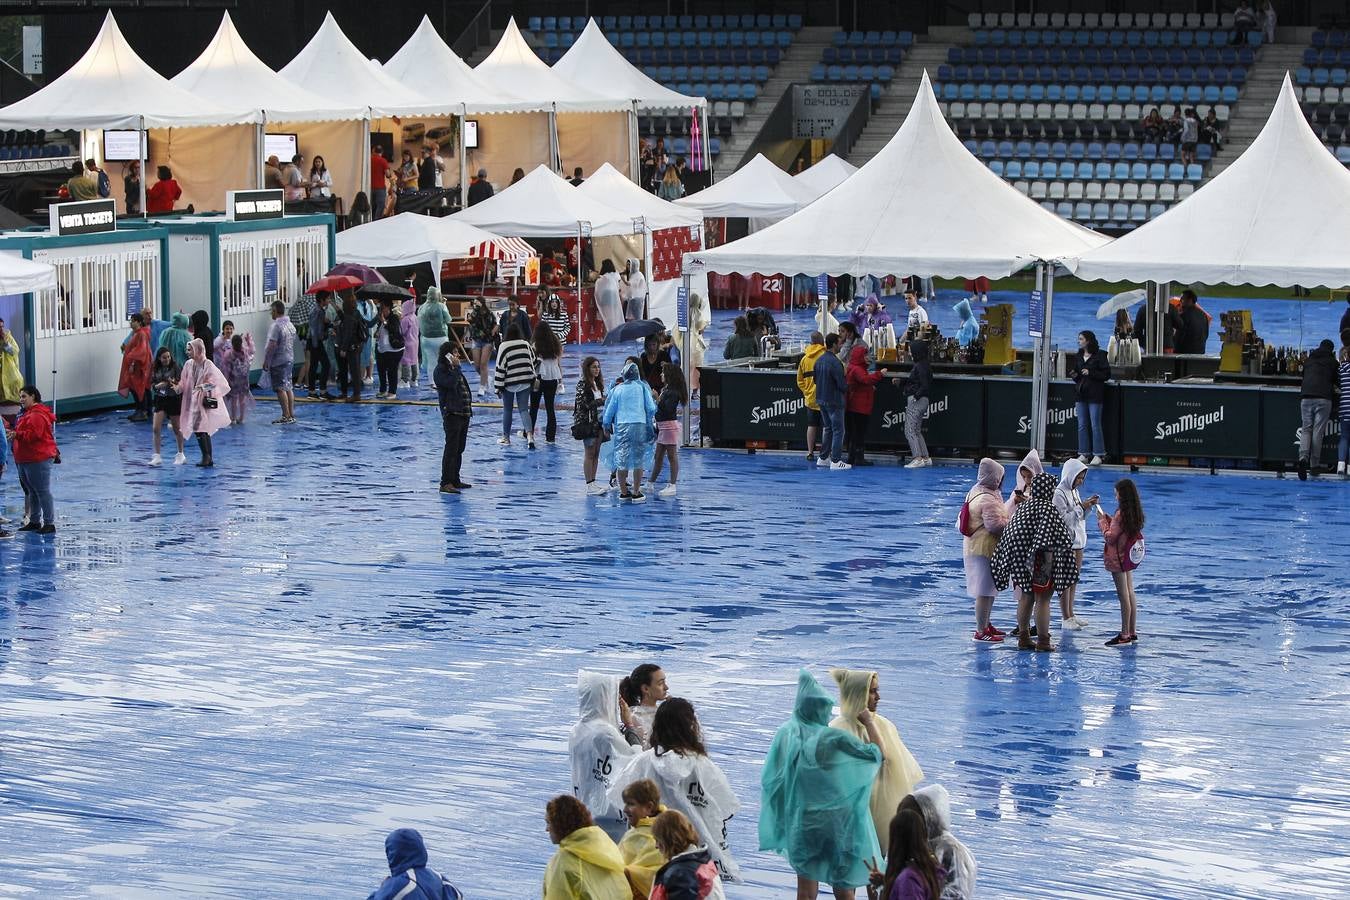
<point>380,291</point>
<point>634,331</point>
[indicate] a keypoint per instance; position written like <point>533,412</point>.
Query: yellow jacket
<point>587,866</point>
<point>641,856</point>
<point>806,379</point>
<point>11,379</point>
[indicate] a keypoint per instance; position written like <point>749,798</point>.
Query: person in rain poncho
<point>587,864</point>
<point>698,344</point>
<point>958,865</point>
<point>874,324</point>
<point>409,878</point>
<point>433,328</point>
<point>642,859</point>
<point>816,786</point>
<point>970,329</point>
<point>411,331</point>
<point>689,781</point>
<point>1073,509</point>
<point>630,415</point>
<point>987,517</point>
<point>133,379</point>
<point>236,363</point>
<point>598,749</point>
<point>1028,469</point>
<point>204,388</point>
<point>176,338</point>
<point>607,300</point>
<point>859,691</point>
<point>633,291</point>
<point>1035,553</point>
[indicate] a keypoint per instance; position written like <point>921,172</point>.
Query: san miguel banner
<point>1008,416</point>
<point>1280,420</point>
<point>762,406</point>
<point>1193,421</point>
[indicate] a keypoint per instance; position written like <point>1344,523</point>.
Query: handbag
<point>963,520</point>
<point>1043,571</point>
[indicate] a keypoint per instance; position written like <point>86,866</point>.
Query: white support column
<point>1047,355</point>
<point>463,160</point>
<point>686,361</point>
<point>1037,376</point>
<point>365,160</point>
<point>259,147</point>
<point>144,139</point>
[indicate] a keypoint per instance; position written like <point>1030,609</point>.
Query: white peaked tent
<point>23,276</point>
<point>228,72</point>
<point>544,205</point>
<point>576,140</point>
<point>408,238</point>
<point>825,175</point>
<point>924,206</point>
<point>111,87</point>
<point>1280,214</point>
<point>758,189</point>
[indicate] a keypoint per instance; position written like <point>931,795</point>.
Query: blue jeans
<point>36,480</point>
<point>377,198</point>
<point>1343,448</point>
<point>512,399</point>
<point>1090,412</point>
<point>832,432</point>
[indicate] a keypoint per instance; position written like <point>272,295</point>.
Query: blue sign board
<point>822,287</point>
<point>135,297</point>
<point>269,275</point>
<point>682,306</point>
<point>1036,318</point>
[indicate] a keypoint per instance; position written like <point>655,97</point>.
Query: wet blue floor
<point>211,683</point>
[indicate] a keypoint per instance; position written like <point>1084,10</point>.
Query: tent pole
<point>259,147</point>
<point>365,159</point>
<point>707,144</point>
<point>647,265</point>
<point>145,175</point>
<point>686,361</point>
<point>1047,345</point>
<point>1037,374</point>
<point>554,145</point>
<point>463,160</point>
<point>632,143</point>
<point>56,329</point>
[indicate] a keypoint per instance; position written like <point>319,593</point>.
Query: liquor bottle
<point>1281,362</point>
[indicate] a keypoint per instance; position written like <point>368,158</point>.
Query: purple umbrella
<point>356,270</point>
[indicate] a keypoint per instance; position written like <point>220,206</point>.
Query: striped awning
<point>502,248</point>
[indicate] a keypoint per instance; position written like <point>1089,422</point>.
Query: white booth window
<point>91,288</point>
<point>300,259</point>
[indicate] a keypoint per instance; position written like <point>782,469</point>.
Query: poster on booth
<point>1036,315</point>
<point>135,296</point>
<point>269,267</point>
<point>530,269</point>
<point>682,307</point>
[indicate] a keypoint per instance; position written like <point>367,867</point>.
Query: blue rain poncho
<point>816,794</point>
<point>970,329</point>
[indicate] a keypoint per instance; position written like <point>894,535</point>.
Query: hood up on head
<point>858,355</point>
<point>434,295</point>
<point>405,850</point>
<point>963,310</point>
<point>180,320</point>
<point>812,705</point>
<point>1043,487</point>
<point>598,697</point>
<point>919,351</point>
<point>937,808</point>
<point>854,686</point>
<point>1031,461</point>
<point>630,372</point>
<point>201,321</point>
<point>990,475</point>
<point>194,346</point>
<point>1070,472</point>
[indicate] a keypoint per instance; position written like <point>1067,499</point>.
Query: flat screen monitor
<point>470,134</point>
<point>122,146</point>
<point>282,146</point>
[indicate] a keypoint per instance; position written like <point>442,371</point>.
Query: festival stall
<point>112,88</point>
<point>593,64</point>
<point>544,205</point>
<point>77,292</point>
<point>408,239</point>
<point>229,74</point>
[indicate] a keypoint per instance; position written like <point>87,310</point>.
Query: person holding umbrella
<point>351,340</point>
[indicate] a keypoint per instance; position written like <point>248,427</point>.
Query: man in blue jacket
<point>409,878</point>
<point>831,388</point>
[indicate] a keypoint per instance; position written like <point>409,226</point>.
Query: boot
<point>204,444</point>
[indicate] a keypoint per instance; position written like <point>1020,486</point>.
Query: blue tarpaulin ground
<point>233,683</point>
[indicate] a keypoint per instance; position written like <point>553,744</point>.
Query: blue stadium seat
<point>1204,153</point>
<point>550,23</point>
<point>1195,172</point>
<point>1176,172</point>
<point>996,166</point>
<point>534,23</point>
<point>1012,169</point>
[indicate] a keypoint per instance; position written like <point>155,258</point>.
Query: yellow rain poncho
<point>640,856</point>
<point>899,770</point>
<point>586,866</point>
<point>11,377</point>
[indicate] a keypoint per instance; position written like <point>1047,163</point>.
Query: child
<point>167,403</point>
<point>1035,552</point>
<point>236,363</point>
<point>673,395</point>
<point>1343,449</point>
<point>1120,533</point>
<point>1073,510</point>
<point>912,872</point>
<point>641,806</point>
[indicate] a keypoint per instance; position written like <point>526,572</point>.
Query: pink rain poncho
<point>200,379</point>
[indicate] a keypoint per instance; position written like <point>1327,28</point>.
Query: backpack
<point>104,185</point>
<point>963,523</point>
<point>1134,554</point>
<point>1043,571</point>
<point>395,331</point>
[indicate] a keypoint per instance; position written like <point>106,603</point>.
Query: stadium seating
<point>1324,89</point>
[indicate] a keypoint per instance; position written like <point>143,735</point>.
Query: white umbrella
<point>1120,301</point>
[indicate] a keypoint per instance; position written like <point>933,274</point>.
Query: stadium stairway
<point>1259,93</point>
<point>929,52</point>
<point>795,66</point>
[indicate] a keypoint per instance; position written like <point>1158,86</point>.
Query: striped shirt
<point>561,325</point>
<point>515,366</point>
<point>1345,392</point>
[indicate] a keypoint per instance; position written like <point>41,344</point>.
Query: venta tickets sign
<point>83,217</point>
<point>250,206</point>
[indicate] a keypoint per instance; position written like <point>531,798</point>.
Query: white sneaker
<point>667,491</point>
<point>1096,461</point>
<point>595,487</point>
<point>156,460</point>
<point>915,463</point>
<point>1083,458</point>
<point>928,462</point>
<point>368,381</point>
<point>180,459</point>
<point>823,462</point>
<point>1340,467</point>
<point>504,441</point>
<point>840,466</point>
<point>1073,623</point>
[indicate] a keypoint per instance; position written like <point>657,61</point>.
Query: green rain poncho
<point>817,786</point>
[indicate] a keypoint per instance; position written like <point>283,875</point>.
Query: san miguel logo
<point>1053,416</point>
<point>785,407</point>
<point>1187,423</point>
<point>896,418</point>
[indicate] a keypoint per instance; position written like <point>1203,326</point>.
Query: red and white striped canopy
<point>502,248</point>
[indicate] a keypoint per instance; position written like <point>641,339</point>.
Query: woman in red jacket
<point>136,359</point>
<point>862,391</point>
<point>35,452</point>
<point>164,194</point>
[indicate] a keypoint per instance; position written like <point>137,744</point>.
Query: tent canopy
<point>230,74</point>
<point>23,276</point>
<point>410,238</point>
<point>611,187</point>
<point>593,63</point>
<point>515,68</point>
<point>331,66</point>
<point>426,59</point>
<point>544,205</point>
<point>758,189</point>
<point>1278,215</point>
<point>111,87</point>
<point>825,175</point>
<point>922,206</point>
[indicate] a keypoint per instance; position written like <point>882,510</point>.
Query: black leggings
<point>855,433</point>
<point>547,390</point>
<point>387,364</point>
